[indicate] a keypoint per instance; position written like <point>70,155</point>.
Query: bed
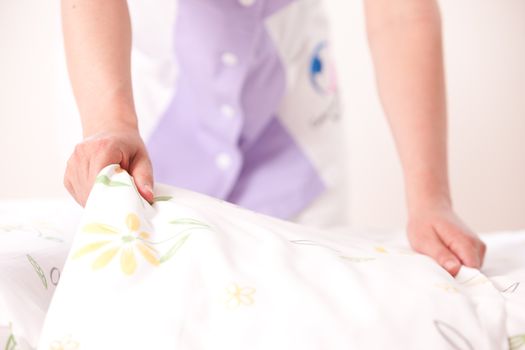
<point>194,272</point>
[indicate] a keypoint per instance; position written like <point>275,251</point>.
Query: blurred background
<point>485,61</point>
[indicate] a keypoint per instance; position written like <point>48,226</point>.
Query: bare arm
<point>97,36</point>
<point>406,45</point>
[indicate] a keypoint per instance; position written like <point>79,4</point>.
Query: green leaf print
<point>103,179</point>
<point>190,222</point>
<point>171,252</point>
<point>11,342</point>
<point>38,270</point>
<point>54,239</point>
<point>162,198</point>
<point>516,342</point>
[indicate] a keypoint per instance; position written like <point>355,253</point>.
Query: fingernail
<point>450,264</point>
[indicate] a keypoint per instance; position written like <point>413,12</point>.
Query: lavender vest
<point>223,133</point>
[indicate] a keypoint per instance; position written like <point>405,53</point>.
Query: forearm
<point>405,41</point>
<point>97,37</point>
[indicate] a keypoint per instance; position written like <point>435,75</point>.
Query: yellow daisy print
<point>380,249</point>
<point>474,281</point>
<point>238,296</point>
<point>447,287</point>
<point>65,343</point>
<point>125,242</point>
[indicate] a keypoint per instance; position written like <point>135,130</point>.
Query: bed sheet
<point>35,237</point>
<point>194,272</point>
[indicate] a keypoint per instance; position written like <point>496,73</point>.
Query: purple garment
<point>221,135</point>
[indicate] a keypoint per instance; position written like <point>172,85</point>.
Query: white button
<point>223,161</point>
<point>229,59</point>
<point>227,111</point>
<point>247,2</point>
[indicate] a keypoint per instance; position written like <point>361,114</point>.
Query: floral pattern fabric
<point>194,272</point>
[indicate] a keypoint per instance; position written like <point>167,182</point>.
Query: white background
<point>485,57</point>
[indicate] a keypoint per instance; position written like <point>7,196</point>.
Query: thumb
<point>142,173</point>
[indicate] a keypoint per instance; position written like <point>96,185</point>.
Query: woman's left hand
<point>440,234</point>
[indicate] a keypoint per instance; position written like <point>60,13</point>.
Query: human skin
<point>405,41</point>
<point>406,45</point>
<point>97,38</point>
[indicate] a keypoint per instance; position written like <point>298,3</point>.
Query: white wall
<point>485,55</point>
<point>28,44</point>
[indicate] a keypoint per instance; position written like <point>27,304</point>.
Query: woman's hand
<point>97,38</point>
<point>118,146</point>
<point>406,45</point>
<point>439,233</point>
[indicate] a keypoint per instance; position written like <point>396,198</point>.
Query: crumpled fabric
<point>194,272</point>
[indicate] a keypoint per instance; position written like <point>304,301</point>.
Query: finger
<point>467,250</point>
<point>142,173</point>
<point>483,251</point>
<point>79,168</point>
<point>72,176</point>
<point>464,244</point>
<point>104,152</point>
<point>68,185</point>
<point>83,179</point>
<point>431,245</point>
<point>87,161</point>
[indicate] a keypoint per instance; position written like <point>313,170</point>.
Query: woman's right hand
<point>119,146</point>
<point>97,40</point>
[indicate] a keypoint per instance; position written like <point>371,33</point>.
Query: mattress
<point>194,272</point>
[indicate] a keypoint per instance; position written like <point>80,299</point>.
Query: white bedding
<point>192,272</point>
